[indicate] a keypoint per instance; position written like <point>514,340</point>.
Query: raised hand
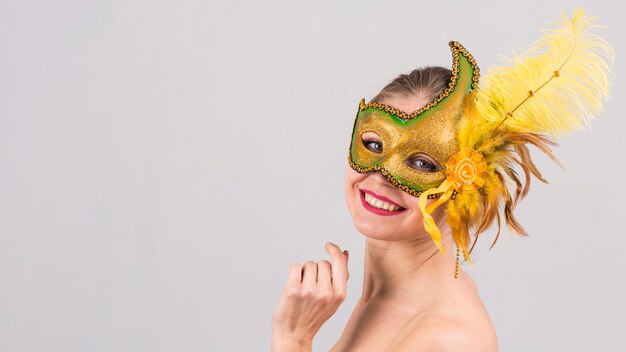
<point>312,294</point>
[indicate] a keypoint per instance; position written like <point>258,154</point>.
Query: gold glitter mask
<point>411,150</point>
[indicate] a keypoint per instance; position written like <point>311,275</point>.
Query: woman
<point>408,300</point>
<point>431,138</point>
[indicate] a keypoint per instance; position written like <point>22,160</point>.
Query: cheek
<point>351,179</point>
<point>413,203</point>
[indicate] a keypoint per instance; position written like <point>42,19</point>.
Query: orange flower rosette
<point>466,170</point>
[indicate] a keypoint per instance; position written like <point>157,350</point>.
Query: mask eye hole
<point>372,142</point>
<point>423,162</point>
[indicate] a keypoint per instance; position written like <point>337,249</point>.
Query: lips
<point>393,208</point>
<point>383,198</point>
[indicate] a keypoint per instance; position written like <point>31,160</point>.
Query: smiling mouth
<point>379,206</point>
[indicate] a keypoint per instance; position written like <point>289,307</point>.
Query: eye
<point>373,145</point>
<point>421,162</point>
<point>372,142</point>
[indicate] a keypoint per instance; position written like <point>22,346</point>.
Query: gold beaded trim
<point>456,47</point>
<point>456,268</point>
<point>391,179</point>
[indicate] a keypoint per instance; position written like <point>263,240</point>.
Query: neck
<point>406,268</point>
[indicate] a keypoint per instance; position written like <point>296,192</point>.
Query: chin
<point>384,230</point>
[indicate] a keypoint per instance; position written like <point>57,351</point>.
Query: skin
<point>312,295</point>
<point>410,300</point>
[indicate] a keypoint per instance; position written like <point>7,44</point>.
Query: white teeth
<point>377,203</point>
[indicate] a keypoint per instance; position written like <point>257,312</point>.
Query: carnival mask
<point>403,141</point>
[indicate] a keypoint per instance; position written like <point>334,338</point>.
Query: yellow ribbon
<point>429,223</point>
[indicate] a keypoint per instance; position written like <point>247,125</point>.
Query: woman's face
<point>380,210</point>
<point>366,193</point>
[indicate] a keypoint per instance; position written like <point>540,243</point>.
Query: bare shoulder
<point>447,335</point>
<point>458,322</point>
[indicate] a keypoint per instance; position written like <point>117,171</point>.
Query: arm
<point>288,343</point>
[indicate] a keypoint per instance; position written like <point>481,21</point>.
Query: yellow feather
<point>560,103</point>
<point>502,117</point>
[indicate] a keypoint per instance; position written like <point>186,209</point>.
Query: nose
<point>380,179</point>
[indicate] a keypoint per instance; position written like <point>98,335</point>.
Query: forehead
<point>406,104</point>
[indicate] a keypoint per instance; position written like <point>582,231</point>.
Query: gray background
<point>163,163</point>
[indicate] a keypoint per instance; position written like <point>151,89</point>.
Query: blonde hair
<point>428,82</point>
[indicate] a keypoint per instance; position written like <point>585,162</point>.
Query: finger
<point>324,274</point>
<point>347,259</point>
<point>339,268</point>
<point>309,275</point>
<point>295,274</point>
